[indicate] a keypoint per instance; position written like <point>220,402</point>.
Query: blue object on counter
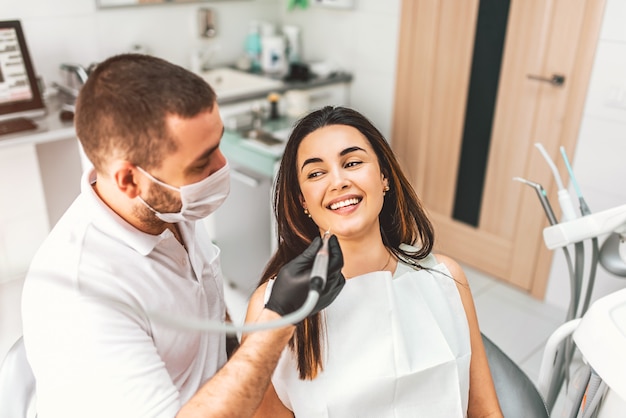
<point>253,47</point>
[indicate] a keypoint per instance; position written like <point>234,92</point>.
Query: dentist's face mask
<point>199,199</point>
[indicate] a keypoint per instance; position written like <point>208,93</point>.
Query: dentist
<point>130,244</point>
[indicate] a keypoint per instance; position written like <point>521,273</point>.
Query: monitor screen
<point>19,91</point>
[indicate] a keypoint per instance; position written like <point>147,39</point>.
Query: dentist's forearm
<point>238,388</point>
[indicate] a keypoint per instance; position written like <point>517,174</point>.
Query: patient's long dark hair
<point>403,220</point>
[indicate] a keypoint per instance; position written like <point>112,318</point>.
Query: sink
<point>261,135</point>
<point>264,140</point>
<point>228,82</point>
<point>282,134</point>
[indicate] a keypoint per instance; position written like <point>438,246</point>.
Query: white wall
<point>599,164</point>
<point>76,31</point>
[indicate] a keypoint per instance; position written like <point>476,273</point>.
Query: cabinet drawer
<point>333,95</point>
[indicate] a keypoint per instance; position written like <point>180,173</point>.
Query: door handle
<point>557,80</point>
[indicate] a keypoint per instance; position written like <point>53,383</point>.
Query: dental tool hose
<point>317,282</point>
<point>196,324</point>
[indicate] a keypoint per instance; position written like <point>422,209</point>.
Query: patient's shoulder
<point>256,302</point>
<point>454,268</point>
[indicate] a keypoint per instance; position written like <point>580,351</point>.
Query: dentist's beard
<point>161,199</point>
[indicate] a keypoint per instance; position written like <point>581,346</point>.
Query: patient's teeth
<point>344,203</point>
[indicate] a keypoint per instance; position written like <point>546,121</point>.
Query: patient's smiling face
<point>341,181</point>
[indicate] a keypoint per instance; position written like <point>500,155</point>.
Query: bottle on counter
<point>253,47</point>
<point>273,99</point>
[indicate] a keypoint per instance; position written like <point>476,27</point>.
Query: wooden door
<point>439,103</point>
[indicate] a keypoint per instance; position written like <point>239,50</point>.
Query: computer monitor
<point>19,91</point>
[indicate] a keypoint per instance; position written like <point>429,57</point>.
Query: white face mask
<point>199,199</point>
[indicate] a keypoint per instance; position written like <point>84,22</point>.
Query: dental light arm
<point>590,226</point>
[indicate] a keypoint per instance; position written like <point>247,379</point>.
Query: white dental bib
<point>396,347</point>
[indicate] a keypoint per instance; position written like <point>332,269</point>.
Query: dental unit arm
<point>575,230</point>
<point>590,226</point>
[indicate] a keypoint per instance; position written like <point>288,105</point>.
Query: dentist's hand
<point>292,283</point>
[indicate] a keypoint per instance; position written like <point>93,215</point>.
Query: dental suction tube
<point>189,323</point>
<point>317,282</point>
<point>198,324</point>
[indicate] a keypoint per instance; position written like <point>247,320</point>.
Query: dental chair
<point>17,384</point>
<point>518,396</point>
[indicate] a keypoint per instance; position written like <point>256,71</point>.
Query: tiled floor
<point>519,324</point>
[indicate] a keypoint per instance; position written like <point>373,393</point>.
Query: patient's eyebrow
<point>310,161</point>
<point>341,154</point>
<point>351,149</point>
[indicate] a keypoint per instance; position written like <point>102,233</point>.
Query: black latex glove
<point>292,283</point>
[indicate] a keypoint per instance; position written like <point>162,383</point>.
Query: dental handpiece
<point>320,265</point>
<point>541,193</point>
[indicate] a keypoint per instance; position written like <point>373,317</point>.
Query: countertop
<point>50,128</point>
<point>339,77</point>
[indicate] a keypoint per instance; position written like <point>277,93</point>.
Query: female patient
<point>402,339</point>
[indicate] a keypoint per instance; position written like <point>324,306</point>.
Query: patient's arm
<point>271,406</point>
<point>483,400</point>
<point>232,343</point>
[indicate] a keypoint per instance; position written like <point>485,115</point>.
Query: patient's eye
<point>314,174</point>
<point>353,163</point>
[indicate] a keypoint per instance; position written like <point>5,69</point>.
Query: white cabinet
<point>332,94</point>
<point>243,229</point>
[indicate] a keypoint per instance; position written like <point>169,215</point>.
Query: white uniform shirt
<point>396,347</point>
<point>92,356</point>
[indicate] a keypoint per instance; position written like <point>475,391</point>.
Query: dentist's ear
<point>125,176</point>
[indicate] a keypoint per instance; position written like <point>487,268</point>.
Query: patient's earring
<point>385,190</point>
<point>306,212</point>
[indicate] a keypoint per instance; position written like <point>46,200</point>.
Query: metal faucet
<point>80,72</point>
<point>74,77</point>
<point>257,116</point>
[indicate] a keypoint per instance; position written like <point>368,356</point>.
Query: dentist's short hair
<point>121,110</point>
